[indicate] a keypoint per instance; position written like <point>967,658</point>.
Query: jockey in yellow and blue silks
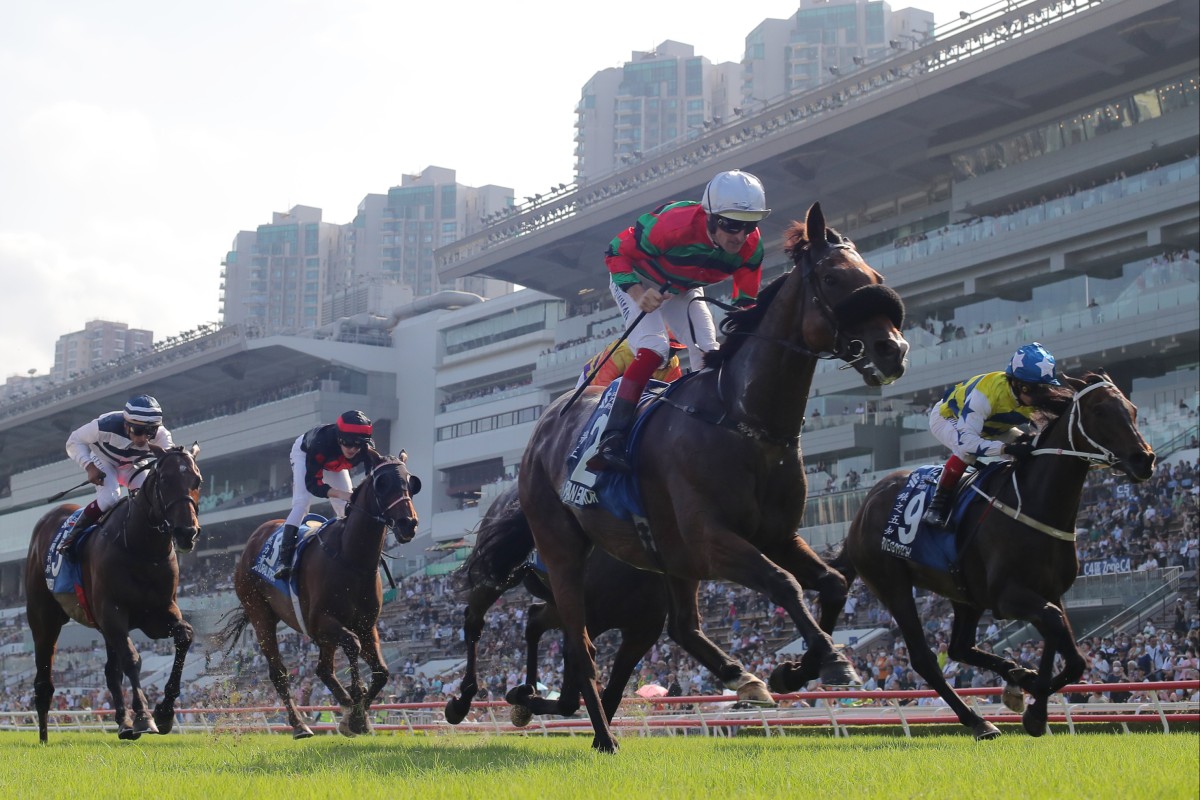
<point>981,418</point>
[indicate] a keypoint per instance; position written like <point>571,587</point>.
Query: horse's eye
<point>830,279</point>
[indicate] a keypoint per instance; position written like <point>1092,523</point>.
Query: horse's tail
<point>502,547</point>
<point>841,562</point>
<point>235,621</point>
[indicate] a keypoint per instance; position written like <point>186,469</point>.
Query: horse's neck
<point>1053,483</point>
<point>769,382</point>
<point>362,537</point>
<point>137,528</point>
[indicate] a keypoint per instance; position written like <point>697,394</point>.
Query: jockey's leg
<point>939,510</point>
<point>287,551</point>
<point>611,453</point>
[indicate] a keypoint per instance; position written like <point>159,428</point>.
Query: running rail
<point>705,715</point>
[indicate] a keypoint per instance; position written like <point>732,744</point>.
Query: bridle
<point>158,506</point>
<point>1101,456</point>
<point>381,512</point>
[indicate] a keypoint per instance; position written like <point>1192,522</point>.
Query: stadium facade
<point>1032,176</point>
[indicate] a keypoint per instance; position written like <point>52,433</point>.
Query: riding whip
<point>65,492</point>
<point>616,345</point>
<point>387,571</point>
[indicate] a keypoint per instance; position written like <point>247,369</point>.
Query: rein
<point>379,516</point>
<point>1104,457</point>
<point>155,502</point>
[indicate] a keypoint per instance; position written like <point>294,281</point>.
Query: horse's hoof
<point>345,727</point>
<point>753,691</point>
<point>519,695</point>
<point>837,671</point>
<point>605,745</point>
<point>302,731</point>
<point>128,734</point>
<point>1013,698</point>
<point>164,718</point>
<point>142,723</point>
<point>520,716</point>
<point>454,713</point>
<point>1034,719</point>
<point>985,730</point>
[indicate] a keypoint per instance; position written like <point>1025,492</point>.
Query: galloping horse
<point>620,597</point>
<point>339,592</point>
<point>722,476</point>
<point>129,576</point>
<point>1016,550</point>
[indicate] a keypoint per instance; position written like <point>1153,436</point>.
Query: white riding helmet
<point>736,195</point>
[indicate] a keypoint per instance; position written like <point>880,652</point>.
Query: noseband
<point>380,514</point>
<point>1101,455</point>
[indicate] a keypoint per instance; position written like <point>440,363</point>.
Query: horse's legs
<point>480,599</point>
<point>123,661</point>
<point>564,549</point>
<point>900,602</point>
<point>164,711</point>
<point>1020,602</point>
<point>683,626</point>
<point>636,641</point>
<point>524,699</point>
<point>46,623</point>
<point>330,635</point>
<point>812,573</point>
<point>264,623</point>
<point>963,649</point>
<point>373,655</point>
<point>740,562</point>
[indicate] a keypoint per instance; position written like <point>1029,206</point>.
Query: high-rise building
<point>821,41</point>
<point>274,278</point>
<point>299,273</point>
<point>99,342</point>
<point>658,98</point>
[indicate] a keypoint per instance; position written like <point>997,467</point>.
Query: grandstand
<point>1021,190</point>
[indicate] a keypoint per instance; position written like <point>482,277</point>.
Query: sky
<point>138,137</point>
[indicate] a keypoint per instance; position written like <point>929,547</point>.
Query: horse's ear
<point>414,484</point>
<point>814,225</point>
<point>194,450</point>
<point>403,456</point>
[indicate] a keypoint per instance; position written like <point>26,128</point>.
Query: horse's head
<point>392,490</point>
<point>175,495</point>
<point>1100,419</point>
<point>857,318</point>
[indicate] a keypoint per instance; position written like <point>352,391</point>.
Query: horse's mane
<point>795,245</point>
<point>1059,398</point>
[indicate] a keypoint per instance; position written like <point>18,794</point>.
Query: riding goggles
<point>143,430</point>
<point>735,225</point>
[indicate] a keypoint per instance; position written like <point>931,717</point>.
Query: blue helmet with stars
<point>1032,363</point>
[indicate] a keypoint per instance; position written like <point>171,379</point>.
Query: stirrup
<point>611,455</point>
<point>937,517</point>
<point>283,573</point>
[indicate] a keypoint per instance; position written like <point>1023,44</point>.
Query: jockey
<point>979,418</point>
<point>321,462</point>
<point>620,360</point>
<point>109,448</point>
<point>682,246</point>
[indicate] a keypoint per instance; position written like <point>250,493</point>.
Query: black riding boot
<point>938,513</point>
<point>91,513</point>
<point>611,453</point>
<point>287,551</point>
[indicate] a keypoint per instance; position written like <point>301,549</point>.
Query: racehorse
<point>722,477</point>
<point>623,598</point>
<point>339,592</point>
<point>129,576</point>
<point>618,597</point>
<point>1016,549</point>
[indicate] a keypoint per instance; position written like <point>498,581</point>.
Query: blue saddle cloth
<point>266,563</point>
<point>907,535</point>
<point>62,574</point>
<point>616,492</point>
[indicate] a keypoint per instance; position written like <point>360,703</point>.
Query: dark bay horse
<point>1017,555</point>
<point>340,592</point>
<point>129,575</point>
<point>721,472</point>
<point>620,597</point>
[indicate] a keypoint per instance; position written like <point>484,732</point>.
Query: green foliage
<point>260,766</point>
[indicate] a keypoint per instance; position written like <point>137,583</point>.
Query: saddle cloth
<point>266,563</point>
<point>907,535</point>
<point>616,492</point>
<point>64,577</point>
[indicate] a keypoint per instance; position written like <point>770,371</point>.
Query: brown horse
<point>129,575</point>
<point>721,474</point>
<point>620,597</point>
<point>1016,550</point>
<point>339,591</point>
